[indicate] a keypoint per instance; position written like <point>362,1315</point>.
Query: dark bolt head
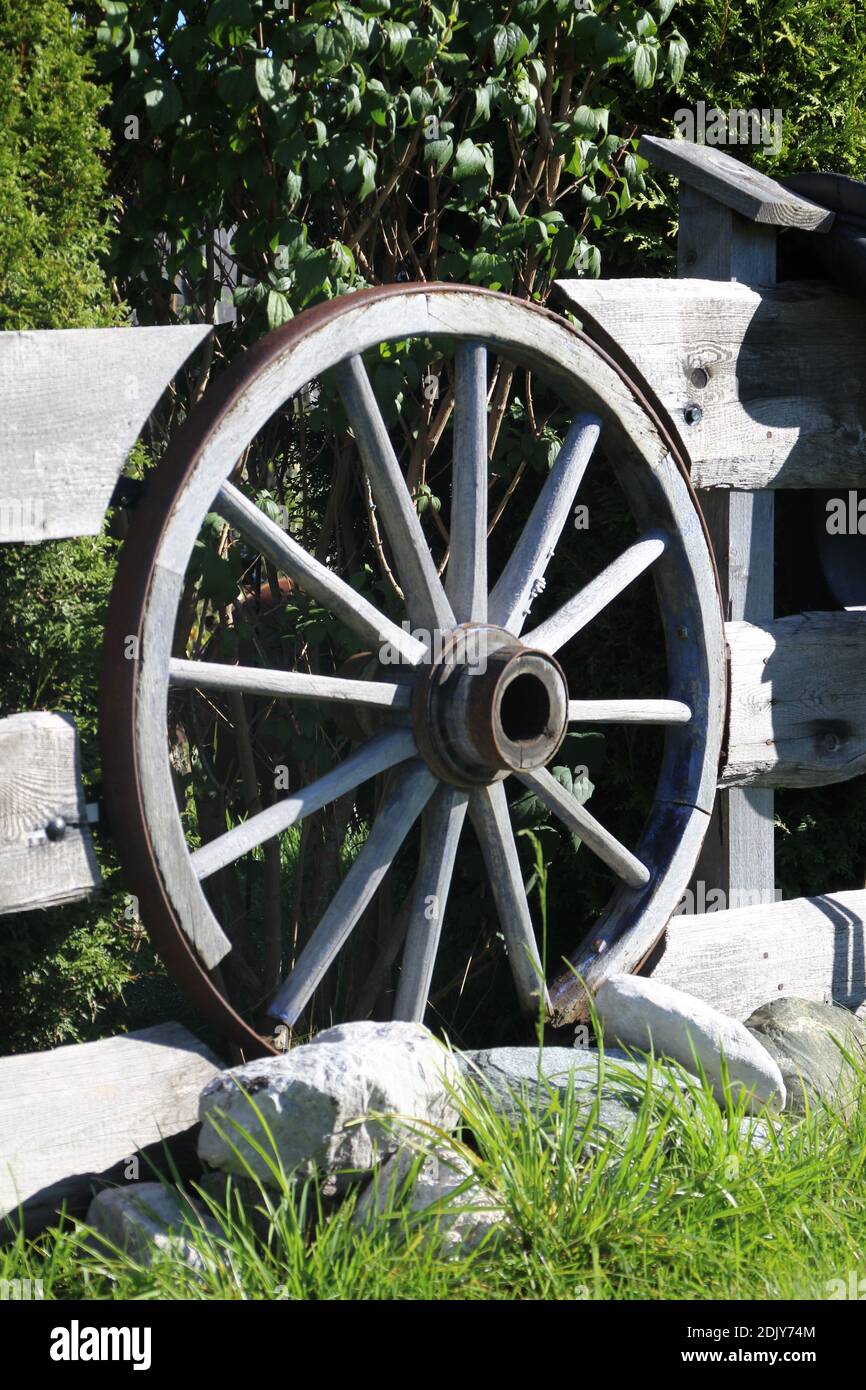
<point>56,828</point>
<point>700,377</point>
<point>692,414</point>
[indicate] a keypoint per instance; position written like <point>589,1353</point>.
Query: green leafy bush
<point>62,972</point>
<point>54,213</point>
<point>356,144</point>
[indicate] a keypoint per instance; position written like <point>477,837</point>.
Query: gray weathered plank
<point>716,243</point>
<point>776,373</point>
<point>736,185</point>
<point>810,948</point>
<point>797,701</point>
<point>40,778</point>
<point>73,403</point>
<point>72,1114</point>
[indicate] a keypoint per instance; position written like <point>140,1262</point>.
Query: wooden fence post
<point>729,219</point>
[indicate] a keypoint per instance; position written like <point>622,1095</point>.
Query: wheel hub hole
<point>524,710</point>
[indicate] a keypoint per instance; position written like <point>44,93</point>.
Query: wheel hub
<point>487,706</point>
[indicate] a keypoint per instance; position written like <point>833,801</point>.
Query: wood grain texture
<point>295,685</point>
<point>466,579</point>
<point>73,403</point>
<point>797,701</point>
<point>716,243</point>
<point>809,948</point>
<point>488,809</point>
<point>782,404</point>
<point>40,778</point>
<point>735,184</point>
<point>74,1113</point>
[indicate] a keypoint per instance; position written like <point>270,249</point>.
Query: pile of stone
<point>367,1104</point>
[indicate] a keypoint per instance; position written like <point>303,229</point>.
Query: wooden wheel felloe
<point>470,697</point>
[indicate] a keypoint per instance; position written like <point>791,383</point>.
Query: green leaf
<point>293,188</point>
<point>494,271</point>
<point>438,152</point>
<point>480,107</point>
<point>163,103</point>
<point>525,121</point>
<point>334,46</point>
<point>469,161</point>
<point>279,309</point>
<point>645,64</point>
<point>274,79</point>
<point>419,53</point>
<point>229,21</point>
<point>397,36</point>
<point>311,276</point>
<point>678,52</point>
<point>235,86</point>
<point>367,165</point>
<point>646,26</point>
<point>510,44</point>
<point>420,102</point>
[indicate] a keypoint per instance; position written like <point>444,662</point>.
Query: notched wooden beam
<point>797,701</point>
<point>46,853</point>
<point>73,403</point>
<point>747,191</point>
<point>77,1115</point>
<point>764,385</point>
<point>736,960</point>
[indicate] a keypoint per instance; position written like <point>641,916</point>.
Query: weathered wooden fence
<point>763,385</point>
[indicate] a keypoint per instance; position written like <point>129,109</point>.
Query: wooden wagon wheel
<point>451,728</point>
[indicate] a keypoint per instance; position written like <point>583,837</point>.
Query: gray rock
<point>801,1035</point>
<point>646,1014</point>
<point>510,1074</point>
<point>466,1218</point>
<point>759,1132</point>
<point>146,1219</point>
<point>323,1103</point>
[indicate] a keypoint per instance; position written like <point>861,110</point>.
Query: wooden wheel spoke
<point>384,751</point>
<point>466,580</point>
<point>441,825</point>
<point>490,817</point>
<point>313,577</point>
<point>568,620</point>
<point>628,712</point>
<point>296,685</point>
<point>578,820</point>
<point>390,829</point>
<point>516,587</point>
<point>425,596</point>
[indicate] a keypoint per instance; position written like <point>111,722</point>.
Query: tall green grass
<point>697,1202</point>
